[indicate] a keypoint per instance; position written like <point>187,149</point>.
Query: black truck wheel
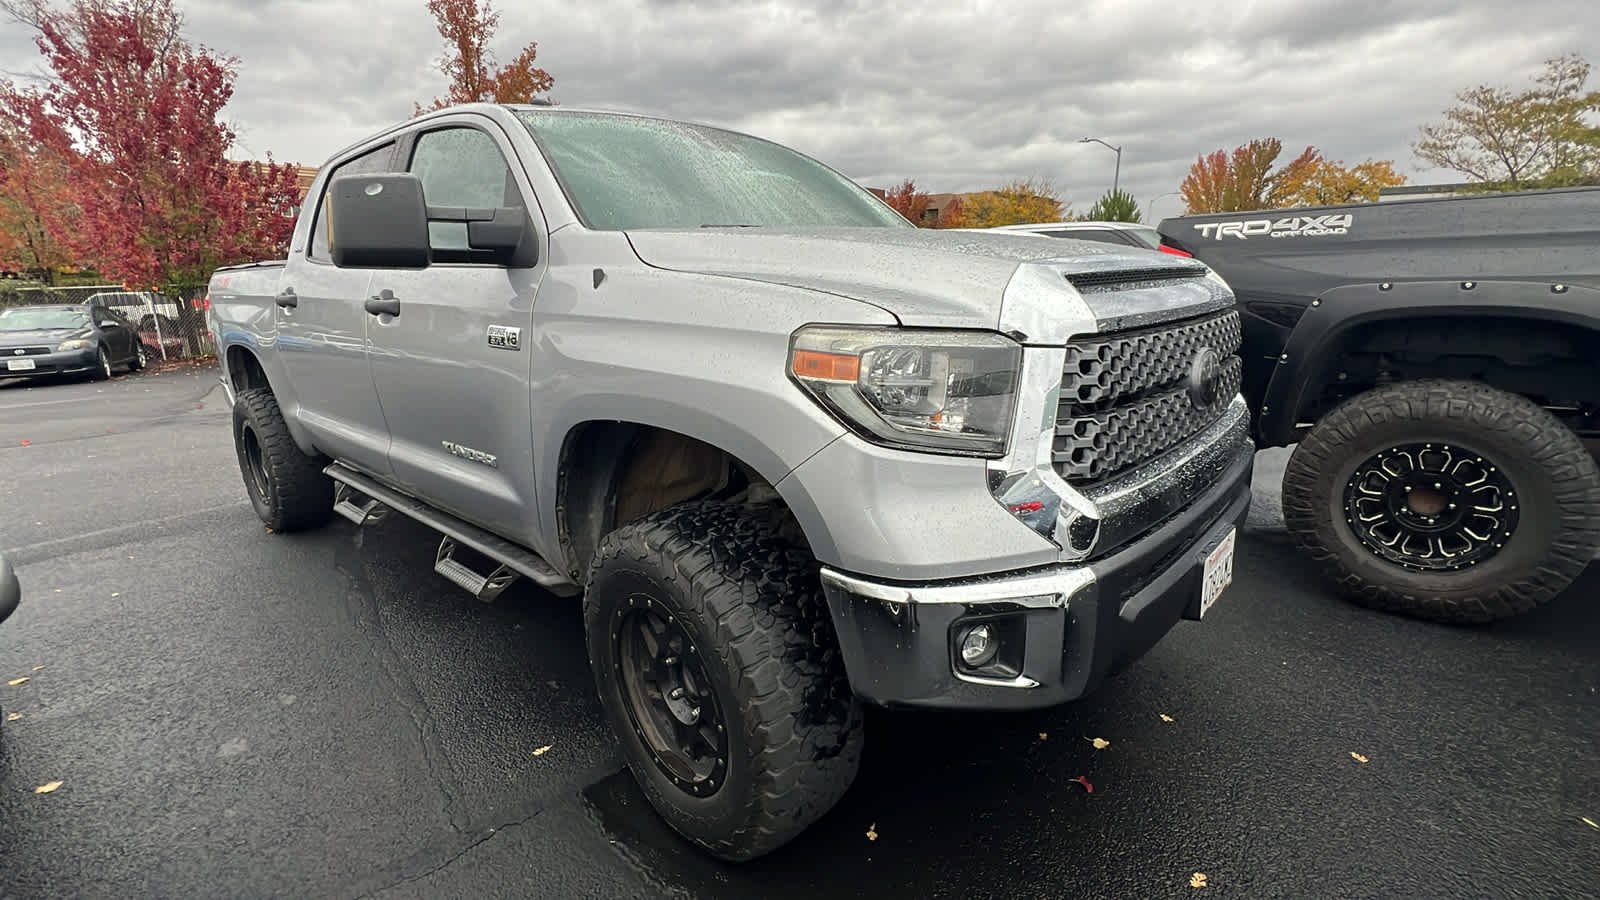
<point>717,665</point>
<point>1445,500</point>
<point>287,488</point>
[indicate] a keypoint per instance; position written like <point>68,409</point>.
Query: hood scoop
<point>1098,280</point>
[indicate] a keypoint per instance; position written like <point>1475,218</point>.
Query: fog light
<point>978,646</point>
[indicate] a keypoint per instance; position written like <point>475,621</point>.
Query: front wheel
<point>102,365</point>
<point>1445,500</point>
<point>717,666</point>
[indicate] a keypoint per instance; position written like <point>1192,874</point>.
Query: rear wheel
<point>1445,500</point>
<point>141,357</point>
<point>287,488</point>
<point>716,663</point>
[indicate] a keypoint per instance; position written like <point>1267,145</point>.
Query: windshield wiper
<point>730,226</point>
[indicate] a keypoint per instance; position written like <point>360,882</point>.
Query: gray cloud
<point>958,95</point>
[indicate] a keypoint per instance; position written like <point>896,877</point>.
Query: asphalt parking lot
<point>233,713</point>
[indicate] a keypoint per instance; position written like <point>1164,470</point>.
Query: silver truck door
<point>322,341</point>
<point>452,366</point>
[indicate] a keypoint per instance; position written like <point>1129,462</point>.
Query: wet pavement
<point>233,713</point>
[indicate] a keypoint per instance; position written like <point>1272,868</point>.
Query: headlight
<point>74,344</point>
<point>942,391</point>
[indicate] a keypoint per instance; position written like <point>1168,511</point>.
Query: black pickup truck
<point>1437,363</point>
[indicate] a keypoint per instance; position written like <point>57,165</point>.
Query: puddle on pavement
<point>940,816</point>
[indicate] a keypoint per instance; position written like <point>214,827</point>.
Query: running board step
<point>513,559</point>
<point>345,504</point>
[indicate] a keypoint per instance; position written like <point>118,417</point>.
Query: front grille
<point>26,351</point>
<point>1125,397</point>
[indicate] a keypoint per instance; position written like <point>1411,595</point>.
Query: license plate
<point>19,365</point>
<point>1218,573</point>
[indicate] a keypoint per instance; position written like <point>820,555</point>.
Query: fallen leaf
<point>47,788</point>
<point>1590,822</point>
<point>116,593</point>
<point>13,717</point>
<point>1357,757</point>
<point>1099,743</point>
<point>1166,718</point>
<point>1043,735</point>
<point>1197,880</point>
<point>542,750</point>
<point>38,668</point>
<point>872,831</point>
<point>1087,787</point>
<point>25,443</point>
<point>16,681</point>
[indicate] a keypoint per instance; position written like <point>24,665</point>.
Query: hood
<point>40,336</point>
<point>924,277</point>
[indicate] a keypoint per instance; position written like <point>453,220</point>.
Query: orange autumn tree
<point>1245,180</point>
<point>467,27</point>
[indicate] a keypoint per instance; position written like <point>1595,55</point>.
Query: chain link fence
<point>172,323</point>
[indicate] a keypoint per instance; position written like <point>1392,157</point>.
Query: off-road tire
<point>292,493</point>
<point>753,602</point>
<point>1556,483</point>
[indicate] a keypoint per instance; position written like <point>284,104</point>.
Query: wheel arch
<point>614,472</point>
<point>243,369</point>
<point>1361,316</point>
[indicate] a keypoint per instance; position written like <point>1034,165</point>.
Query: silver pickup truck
<point>795,454</point>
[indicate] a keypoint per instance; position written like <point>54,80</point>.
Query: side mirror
<point>381,222</point>
<point>377,222</point>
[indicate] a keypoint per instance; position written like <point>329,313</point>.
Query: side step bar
<point>513,559</point>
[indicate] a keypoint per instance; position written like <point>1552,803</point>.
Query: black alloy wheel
<point>669,698</point>
<point>1434,507</point>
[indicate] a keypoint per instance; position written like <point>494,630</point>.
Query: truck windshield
<point>629,172</point>
<point>26,319</point>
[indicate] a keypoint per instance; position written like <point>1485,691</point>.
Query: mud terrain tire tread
<point>299,495</point>
<point>1526,439</point>
<point>755,605</point>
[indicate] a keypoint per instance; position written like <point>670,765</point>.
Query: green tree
<point>1114,206</point>
<point>1513,140</point>
<point>1019,202</point>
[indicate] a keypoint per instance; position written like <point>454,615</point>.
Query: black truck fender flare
<point>1315,342</point>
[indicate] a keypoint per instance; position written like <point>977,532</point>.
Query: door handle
<point>384,303</point>
<point>288,298</point>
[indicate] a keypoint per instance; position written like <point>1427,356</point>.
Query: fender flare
<point>1317,337</point>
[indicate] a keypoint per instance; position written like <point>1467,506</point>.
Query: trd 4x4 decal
<point>1293,226</point>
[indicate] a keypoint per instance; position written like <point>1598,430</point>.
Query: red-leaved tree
<point>132,108</point>
<point>36,209</point>
<point>909,202</point>
<point>467,27</point>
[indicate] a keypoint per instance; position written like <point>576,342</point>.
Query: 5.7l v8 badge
<point>504,337</point>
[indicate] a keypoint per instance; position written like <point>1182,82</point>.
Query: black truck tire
<point>736,718</point>
<point>1389,490</point>
<point>287,488</point>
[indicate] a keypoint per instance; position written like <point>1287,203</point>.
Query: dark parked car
<point>68,339</point>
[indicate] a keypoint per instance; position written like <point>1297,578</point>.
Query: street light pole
<point>1117,175</point>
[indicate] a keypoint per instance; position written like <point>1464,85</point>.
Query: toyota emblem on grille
<point>1205,378</point>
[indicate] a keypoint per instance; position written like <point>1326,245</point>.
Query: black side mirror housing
<point>381,221</point>
<point>377,222</point>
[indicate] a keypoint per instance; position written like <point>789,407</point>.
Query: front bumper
<point>1063,629</point>
<point>70,362</point>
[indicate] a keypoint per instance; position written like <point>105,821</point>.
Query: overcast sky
<point>956,95</point>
